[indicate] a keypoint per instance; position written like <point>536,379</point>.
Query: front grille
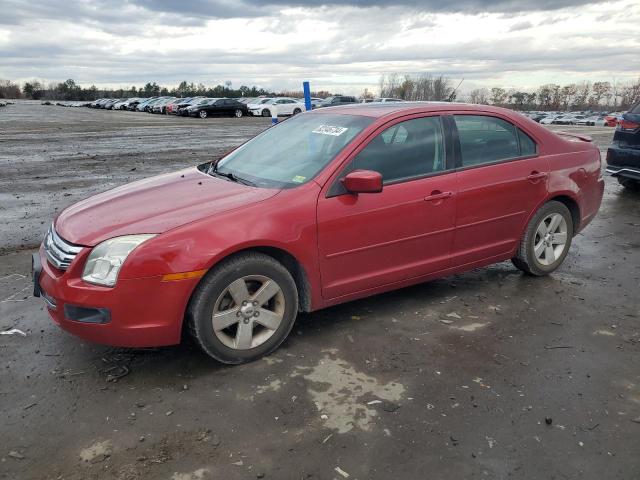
<point>60,253</point>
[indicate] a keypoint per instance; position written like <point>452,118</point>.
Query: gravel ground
<point>489,374</point>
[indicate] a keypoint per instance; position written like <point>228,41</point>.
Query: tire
<point>629,183</point>
<point>266,113</point>
<point>549,254</point>
<point>202,114</point>
<point>225,342</point>
<point>238,113</point>
<point>297,111</point>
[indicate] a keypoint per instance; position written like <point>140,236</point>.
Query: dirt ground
<point>451,379</point>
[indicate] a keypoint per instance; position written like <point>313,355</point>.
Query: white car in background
<point>282,105</point>
<point>255,103</point>
<point>381,100</point>
<point>548,120</point>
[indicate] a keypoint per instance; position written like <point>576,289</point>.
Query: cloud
<point>131,11</point>
<point>277,43</point>
<point>520,26</point>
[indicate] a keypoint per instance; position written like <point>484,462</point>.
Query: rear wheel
<point>203,114</point>
<point>546,241</point>
<point>629,183</point>
<point>266,113</point>
<point>244,308</point>
<point>297,111</point>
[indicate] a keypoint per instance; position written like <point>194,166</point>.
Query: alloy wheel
<point>238,113</point>
<point>203,114</point>
<point>248,312</point>
<point>550,239</point>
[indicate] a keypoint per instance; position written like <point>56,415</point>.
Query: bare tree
<point>567,93</point>
<point>600,92</point>
<point>8,89</point>
<point>420,87</point>
<point>582,95</point>
<point>498,96</point>
<point>479,96</point>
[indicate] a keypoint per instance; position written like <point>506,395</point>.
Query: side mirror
<point>363,181</point>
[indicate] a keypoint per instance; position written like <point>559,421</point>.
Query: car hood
<point>154,205</point>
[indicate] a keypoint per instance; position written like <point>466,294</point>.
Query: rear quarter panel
<point>575,172</point>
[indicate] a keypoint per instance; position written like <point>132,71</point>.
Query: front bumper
<point>140,312</point>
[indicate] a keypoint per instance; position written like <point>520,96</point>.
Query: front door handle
<point>438,195</point>
<point>535,175</point>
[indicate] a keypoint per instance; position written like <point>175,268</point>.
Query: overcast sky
<point>339,45</point>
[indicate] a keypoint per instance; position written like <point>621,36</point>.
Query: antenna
<point>453,94</point>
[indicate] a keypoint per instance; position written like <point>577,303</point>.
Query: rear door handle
<point>438,195</point>
<point>537,175</point>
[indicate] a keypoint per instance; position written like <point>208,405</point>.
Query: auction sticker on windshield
<point>329,130</point>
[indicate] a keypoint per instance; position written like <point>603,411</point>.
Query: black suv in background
<point>623,156</point>
<point>338,100</point>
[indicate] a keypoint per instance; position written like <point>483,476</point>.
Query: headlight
<point>105,260</point>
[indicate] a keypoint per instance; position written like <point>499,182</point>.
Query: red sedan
<point>327,207</point>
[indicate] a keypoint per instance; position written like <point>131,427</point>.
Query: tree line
<point>70,90</point>
<point>575,96</point>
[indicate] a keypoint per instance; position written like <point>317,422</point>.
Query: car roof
<point>377,110</point>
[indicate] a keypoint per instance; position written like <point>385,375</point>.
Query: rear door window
<point>485,139</point>
<point>527,145</point>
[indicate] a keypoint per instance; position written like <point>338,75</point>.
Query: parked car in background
<point>96,103</point>
<point>127,103</point>
<point>623,156</point>
<point>612,119</point>
<point>160,107</point>
<point>548,120</point>
<point>216,107</point>
<point>283,105</point>
<point>149,105</point>
<point>173,106</point>
<point>141,106</point>
<point>181,108</point>
<point>329,206</point>
<point>566,119</point>
<point>133,105</point>
<point>256,102</point>
<point>591,120</point>
<point>108,105</point>
<point>338,100</point>
<point>118,104</point>
<point>381,100</point>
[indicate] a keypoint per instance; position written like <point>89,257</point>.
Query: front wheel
<point>244,308</point>
<point>238,113</point>
<point>266,113</point>
<point>203,114</point>
<point>546,241</point>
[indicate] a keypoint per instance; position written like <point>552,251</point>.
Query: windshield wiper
<point>230,176</point>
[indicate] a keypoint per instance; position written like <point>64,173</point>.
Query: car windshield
<point>294,151</point>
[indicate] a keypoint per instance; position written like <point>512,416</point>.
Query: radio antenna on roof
<point>453,94</point>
